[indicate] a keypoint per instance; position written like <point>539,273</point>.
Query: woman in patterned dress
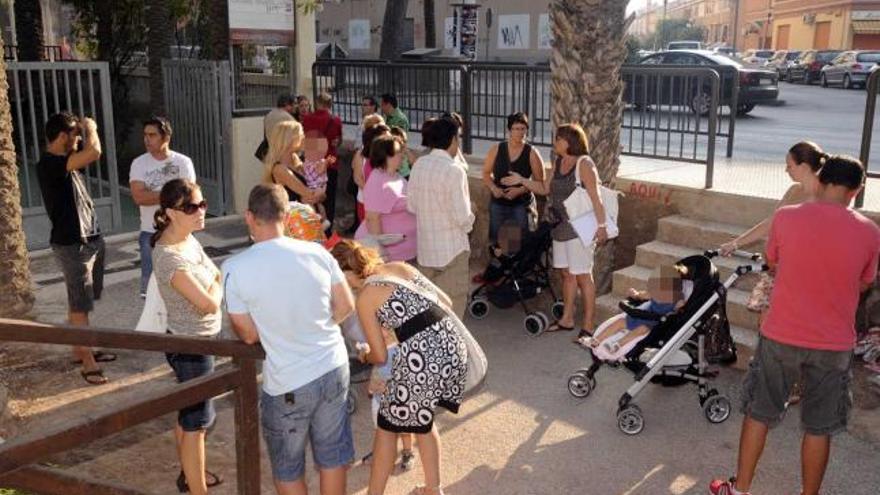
<point>429,369</point>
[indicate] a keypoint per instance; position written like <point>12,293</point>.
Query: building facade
<point>810,24</point>
<point>714,16</point>
<point>507,30</point>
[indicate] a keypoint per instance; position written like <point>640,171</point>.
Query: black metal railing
<point>872,88</point>
<point>670,112</point>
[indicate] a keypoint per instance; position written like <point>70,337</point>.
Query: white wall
<point>247,134</point>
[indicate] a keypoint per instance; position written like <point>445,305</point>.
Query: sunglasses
<point>190,208</point>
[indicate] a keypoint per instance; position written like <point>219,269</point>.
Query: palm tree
<point>16,296</point>
<point>159,41</point>
<point>217,16</point>
<point>392,29</point>
<point>589,47</point>
<point>29,29</point>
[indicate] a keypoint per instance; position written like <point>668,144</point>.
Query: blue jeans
<point>500,214</point>
<point>315,412</point>
<point>146,259</point>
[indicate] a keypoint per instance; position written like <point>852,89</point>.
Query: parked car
<point>724,50</point>
<point>757,57</point>
<point>850,69</point>
<point>781,61</point>
<point>809,65</point>
<point>684,45</point>
<point>755,85</point>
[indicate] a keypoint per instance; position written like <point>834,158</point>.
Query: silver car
<point>781,61</point>
<point>850,69</point>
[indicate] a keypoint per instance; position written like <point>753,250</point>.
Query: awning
<point>866,27</point>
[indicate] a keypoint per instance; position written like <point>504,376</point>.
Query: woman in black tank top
<point>512,158</point>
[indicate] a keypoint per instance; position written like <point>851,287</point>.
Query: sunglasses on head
<point>190,208</point>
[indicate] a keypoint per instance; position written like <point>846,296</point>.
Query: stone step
<point>607,306</point>
<point>637,277</point>
<point>698,234</point>
<point>657,253</point>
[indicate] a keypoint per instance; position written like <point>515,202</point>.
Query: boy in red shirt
<point>824,255</point>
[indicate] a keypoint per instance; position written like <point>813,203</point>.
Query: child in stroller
<point>664,296</point>
<point>674,351</point>
<point>518,272</point>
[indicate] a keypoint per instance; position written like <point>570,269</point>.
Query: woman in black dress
<point>430,367</point>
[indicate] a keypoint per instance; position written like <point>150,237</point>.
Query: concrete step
<point>696,233</point>
<point>657,253</point>
<point>637,277</point>
<point>607,306</point>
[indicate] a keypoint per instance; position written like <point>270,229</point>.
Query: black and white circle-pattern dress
<point>430,367</point>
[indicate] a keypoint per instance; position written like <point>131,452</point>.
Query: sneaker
<point>721,487</point>
<point>143,295</point>
<point>406,460</point>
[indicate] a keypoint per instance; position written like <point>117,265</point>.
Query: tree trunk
<point>16,296</point>
<point>29,30</point>
<point>430,25</point>
<point>218,30</point>
<point>589,47</point>
<point>159,41</point>
<point>392,29</point>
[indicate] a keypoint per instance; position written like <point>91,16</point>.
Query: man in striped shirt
<point>439,196</point>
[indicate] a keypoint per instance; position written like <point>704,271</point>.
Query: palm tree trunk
<point>589,47</point>
<point>392,29</point>
<point>29,30</point>
<point>16,296</point>
<point>159,40</point>
<point>430,24</point>
<point>218,30</point>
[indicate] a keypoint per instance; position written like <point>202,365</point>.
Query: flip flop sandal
<point>558,327</point>
<point>100,357</point>
<point>94,377</point>
<point>211,480</point>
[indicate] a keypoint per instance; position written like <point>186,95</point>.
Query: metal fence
<point>198,96</point>
<point>258,80</point>
<point>670,112</point>
<point>40,89</point>
<point>51,53</point>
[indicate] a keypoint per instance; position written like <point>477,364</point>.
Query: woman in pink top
<point>385,200</point>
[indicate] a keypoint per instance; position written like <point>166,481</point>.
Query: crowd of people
<point>404,278</point>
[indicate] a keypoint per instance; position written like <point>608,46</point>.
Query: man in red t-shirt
<point>824,255</point>
<point>323,124</point>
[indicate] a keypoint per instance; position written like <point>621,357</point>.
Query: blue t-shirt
<point>285,286</point>
<point>654,307</point>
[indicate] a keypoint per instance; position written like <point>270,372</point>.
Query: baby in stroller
<point>613,340</point>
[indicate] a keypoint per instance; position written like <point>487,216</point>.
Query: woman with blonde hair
<point>283,166</point>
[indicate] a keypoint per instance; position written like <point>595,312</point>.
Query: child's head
<point>510,237</point>
<point>665,283</point>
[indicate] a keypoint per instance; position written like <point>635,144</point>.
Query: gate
<point>199,101</point>
<point>38,90</point>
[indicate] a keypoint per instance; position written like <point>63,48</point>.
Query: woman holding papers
<point>573,167</point>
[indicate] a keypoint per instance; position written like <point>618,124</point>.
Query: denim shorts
<point>826,377</point>
<point>83,267</point>
<point>186,367</point>
<point>315,412</point>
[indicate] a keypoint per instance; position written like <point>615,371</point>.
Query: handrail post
<point>247,428</point>
<point>466,111</point>
<point>734,105</point>
<point>713,128</point>
<point>868,130</point>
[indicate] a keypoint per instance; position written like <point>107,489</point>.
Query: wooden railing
<point>18,455</point>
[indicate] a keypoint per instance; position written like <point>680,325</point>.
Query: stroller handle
<point>756,257</point>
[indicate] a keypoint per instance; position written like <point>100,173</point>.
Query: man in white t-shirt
<point>290,296</point>
<point>149,172</point>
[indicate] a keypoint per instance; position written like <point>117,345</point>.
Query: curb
<point>126,237</point>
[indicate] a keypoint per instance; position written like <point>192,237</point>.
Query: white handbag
<point>578,204</point>
<point>154,317</point>
<point>477,364</point>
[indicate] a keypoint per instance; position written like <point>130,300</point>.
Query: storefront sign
<point>268,22</point>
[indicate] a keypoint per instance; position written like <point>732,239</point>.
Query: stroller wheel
<point>351,402</point>
<point>717,409</point>
<point>543,317</point>
<point>478,309</point>
<point>580,385</point>
<point>630,420</point>
<point>557,309</point>
<point>534,325</point>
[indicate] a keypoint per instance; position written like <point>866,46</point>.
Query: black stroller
<point>675,351</point>
<point>517,278</point>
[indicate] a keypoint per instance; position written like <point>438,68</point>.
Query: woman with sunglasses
<point>190,286</point>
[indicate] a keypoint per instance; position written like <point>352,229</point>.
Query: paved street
<point>832,117</point>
